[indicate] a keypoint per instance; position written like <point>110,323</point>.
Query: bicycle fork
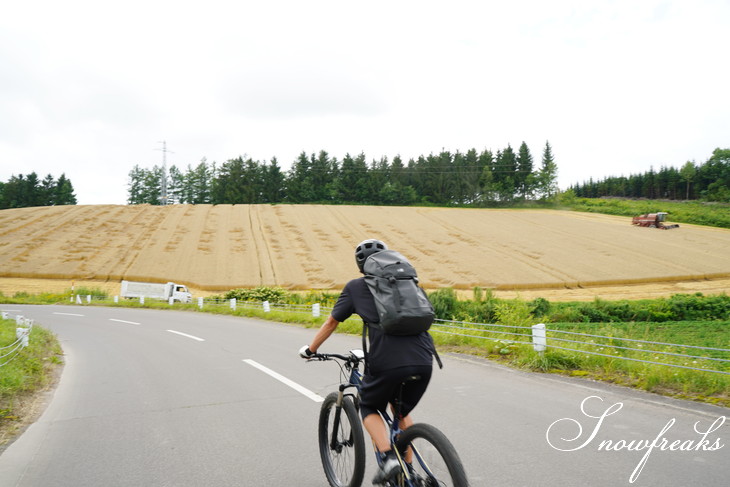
<point>334,443</point>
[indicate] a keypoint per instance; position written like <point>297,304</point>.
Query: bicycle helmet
<point>365,249</point>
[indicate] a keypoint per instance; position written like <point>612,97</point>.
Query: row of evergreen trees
<point>470,178</point>
<point>709,181</point>
<point>23,191</point>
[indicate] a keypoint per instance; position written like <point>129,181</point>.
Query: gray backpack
<point>403,307</point>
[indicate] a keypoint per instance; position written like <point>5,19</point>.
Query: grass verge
<point>617,359</point>
<point>25,373</point>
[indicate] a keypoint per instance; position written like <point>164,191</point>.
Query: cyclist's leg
<point>406,423</point>
<point>374,395</point>
<point>382,389</point>
<point>411,394</point>
<point>375,426</point>
<point>413,390</point>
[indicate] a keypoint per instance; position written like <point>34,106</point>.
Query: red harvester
<point>653,220</point>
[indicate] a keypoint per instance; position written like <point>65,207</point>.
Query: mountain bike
<point>427,458</point>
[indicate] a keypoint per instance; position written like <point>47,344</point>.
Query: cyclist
<point>390,360</point>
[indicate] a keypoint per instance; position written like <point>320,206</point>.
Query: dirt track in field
<point>211,248</point>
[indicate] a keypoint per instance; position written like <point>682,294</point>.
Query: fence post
<point>233,304</point>
<point>539,337</point>
<point>267,307</point>
<point>22,335</point>
<point>141,300</point>
<point>315,310</point>
<point>200,302</point>
<point>116,299</point>
<point>5,315</point>
<point>88,298</point>
<point>78,299</point>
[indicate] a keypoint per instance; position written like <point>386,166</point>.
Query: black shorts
<point>381,389</point>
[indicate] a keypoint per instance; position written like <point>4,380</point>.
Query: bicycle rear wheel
<point>435,462</point>
<point>341,447</point>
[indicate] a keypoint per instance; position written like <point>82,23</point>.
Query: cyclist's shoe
<point>387,470</point>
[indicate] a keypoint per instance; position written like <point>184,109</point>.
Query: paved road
<point>165,398</point>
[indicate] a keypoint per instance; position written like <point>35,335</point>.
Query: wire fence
<point>8,353</point>
<point>691,357</point>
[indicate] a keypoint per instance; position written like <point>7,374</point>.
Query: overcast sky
<point>90,88</point>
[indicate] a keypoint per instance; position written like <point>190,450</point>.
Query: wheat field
<point>303,247</point>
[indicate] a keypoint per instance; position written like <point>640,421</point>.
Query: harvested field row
<point>310,247</point>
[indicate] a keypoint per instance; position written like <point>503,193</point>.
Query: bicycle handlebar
<point>330,356</point>
<point>354,356</point>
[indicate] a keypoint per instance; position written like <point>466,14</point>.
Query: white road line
<point>300,389</point>
<point>123,321</point>
<point>186,335</point>
<point>68,314</point>
<point>11,310</point>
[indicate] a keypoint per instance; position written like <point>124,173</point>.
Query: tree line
<point>29,190</point>
<point>709,181</point>
<point>471,178</point>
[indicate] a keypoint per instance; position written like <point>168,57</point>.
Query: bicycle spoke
<point>342,454</point>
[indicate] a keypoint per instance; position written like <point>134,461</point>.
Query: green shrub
<point>515,313</point>
<point>540,307</point>
<point>699,307</point>
<point>445,303</point>
<point>677,308</point>
<point>481,310</point>
<point>326,299</point>
<point>84,291</point>
<point>260,293</point>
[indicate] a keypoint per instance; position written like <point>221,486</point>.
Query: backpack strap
<point>396,292</point>
<point>435,353</point>
<point>364,344</point>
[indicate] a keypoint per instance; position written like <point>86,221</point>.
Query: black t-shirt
<point>386,351</point>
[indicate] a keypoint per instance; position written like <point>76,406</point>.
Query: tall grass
<point>613,364</point>
<point>31,369</point>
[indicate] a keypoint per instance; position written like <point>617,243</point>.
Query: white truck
<point>154,290</point>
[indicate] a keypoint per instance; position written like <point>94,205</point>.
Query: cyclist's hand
<point>305,352</point>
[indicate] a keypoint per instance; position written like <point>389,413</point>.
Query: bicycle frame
<point>395,431</point>
<point>351,364</point>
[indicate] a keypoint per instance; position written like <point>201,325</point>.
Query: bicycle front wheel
<point>435,462</point>
<point>341,442</point>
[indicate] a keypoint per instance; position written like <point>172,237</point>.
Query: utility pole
<point>164,200</point>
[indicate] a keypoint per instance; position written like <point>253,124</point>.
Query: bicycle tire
<point>344,465</point>
<point>439,465</point>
